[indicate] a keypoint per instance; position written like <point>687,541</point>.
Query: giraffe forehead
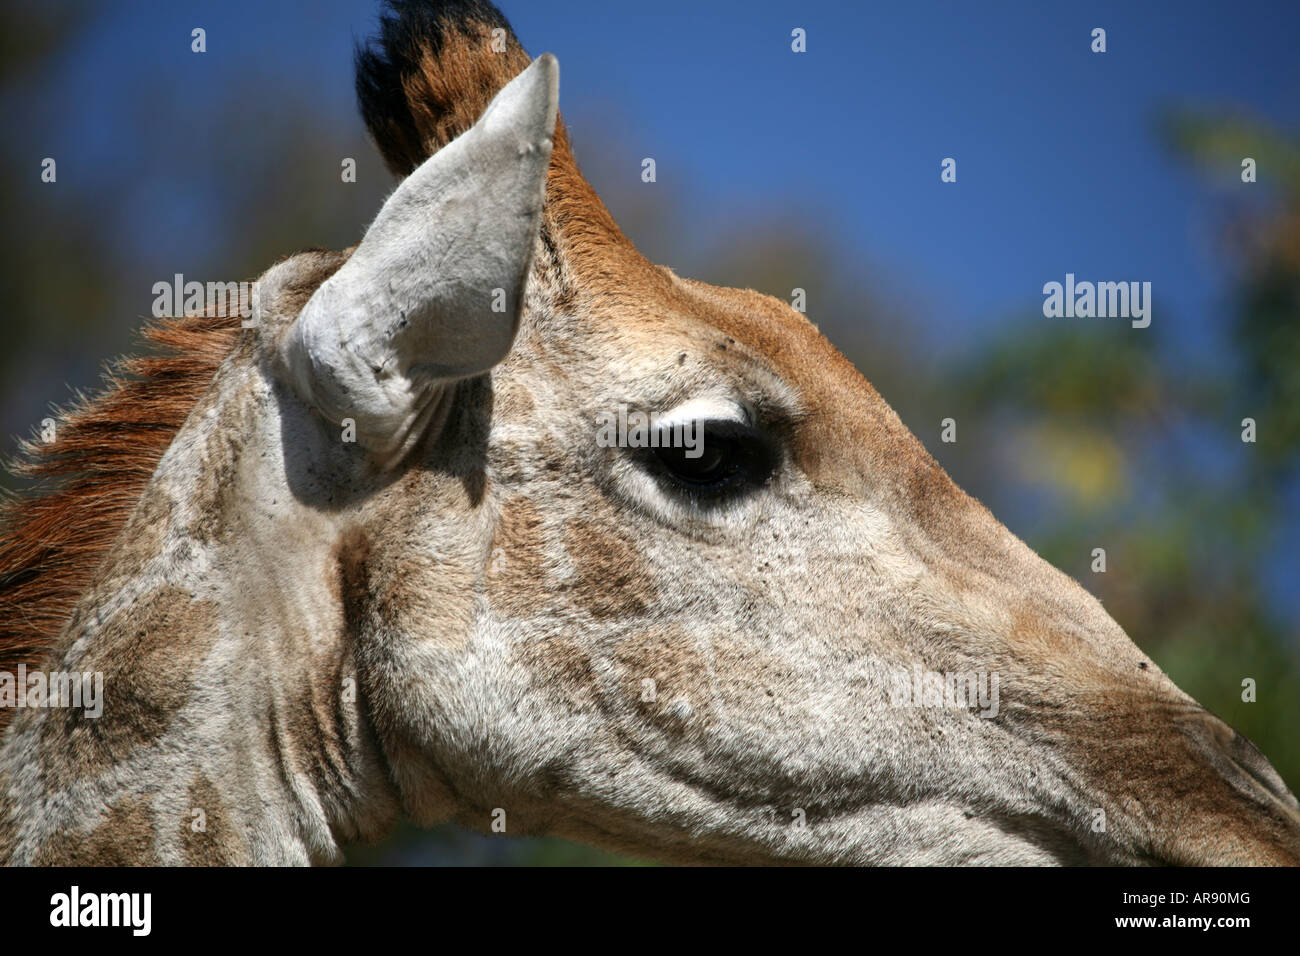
<point>685,338</point>
<point>848,438</point>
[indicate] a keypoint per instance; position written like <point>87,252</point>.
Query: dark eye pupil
<point>709,467</point>
<point>725,459</point>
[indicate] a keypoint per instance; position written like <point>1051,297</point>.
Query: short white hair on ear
<point>418,305</point>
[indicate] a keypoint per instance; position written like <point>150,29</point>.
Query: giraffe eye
<point>705,467</point>
<point>725,459</point>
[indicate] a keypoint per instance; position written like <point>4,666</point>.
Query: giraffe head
<point>729,647</point>
<point>766,626</point>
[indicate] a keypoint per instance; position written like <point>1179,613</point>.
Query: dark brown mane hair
<point>87,481</point>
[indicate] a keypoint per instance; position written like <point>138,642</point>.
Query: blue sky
<point>1059,169</point>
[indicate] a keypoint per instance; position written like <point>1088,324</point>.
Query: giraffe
<point>365,559</point>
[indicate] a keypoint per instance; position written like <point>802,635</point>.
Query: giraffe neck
<point>233,727</point>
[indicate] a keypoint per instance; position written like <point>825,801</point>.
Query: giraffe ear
<point>435,289</point>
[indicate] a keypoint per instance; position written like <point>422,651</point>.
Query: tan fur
<point>212,844</point>
<point>611,580</point>
<point>517,574</point>
<point>149,664</point>
<point>124,837</point>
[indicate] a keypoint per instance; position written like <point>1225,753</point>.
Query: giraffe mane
<point>87,481</point>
